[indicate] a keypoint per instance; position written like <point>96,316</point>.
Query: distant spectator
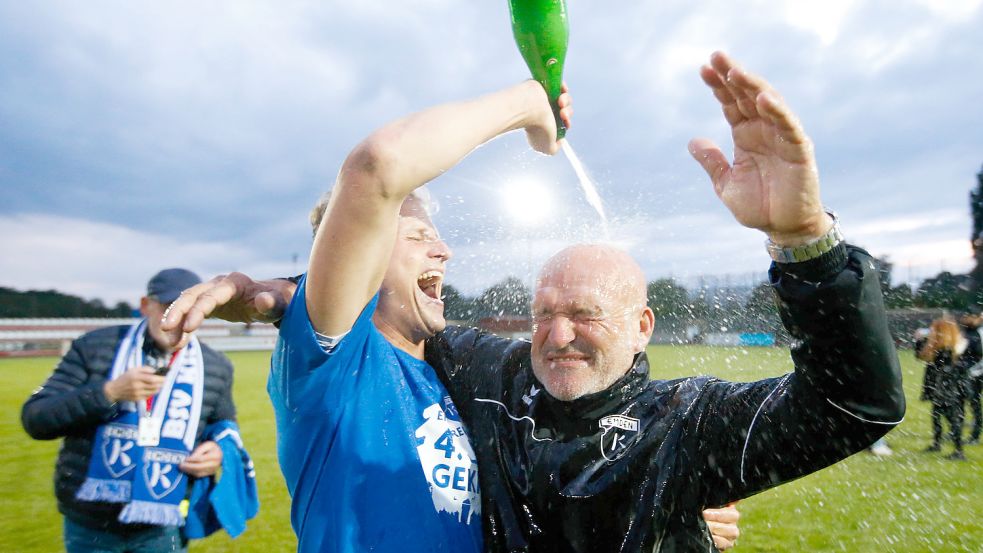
<point>132,412</point>
<point>973,361</point>
<point>945,381</point>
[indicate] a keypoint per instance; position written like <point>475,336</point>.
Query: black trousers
<point>975,389</point>
<point>953,412</point>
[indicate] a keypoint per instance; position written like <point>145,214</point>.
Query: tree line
<point>674,306</point>
<point>51,303</point>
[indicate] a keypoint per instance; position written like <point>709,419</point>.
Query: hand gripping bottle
<point>541,30</point>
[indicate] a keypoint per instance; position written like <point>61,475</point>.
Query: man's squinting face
<point>587,327</point>
<point>409,299</point>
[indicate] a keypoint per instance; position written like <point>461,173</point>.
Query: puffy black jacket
<point>631,467</point>
<point>71,405</point>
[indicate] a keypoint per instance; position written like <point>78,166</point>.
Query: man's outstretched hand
<point>233,297</point>
<point>773,183</point>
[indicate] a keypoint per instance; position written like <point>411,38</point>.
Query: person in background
<point>969,323</point>
<point>945,378</point>
<point>131,409</point>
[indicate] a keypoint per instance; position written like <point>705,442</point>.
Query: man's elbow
<point>896,405</point>
<point>36,420</point>
<point>371,167</point>
<point>31,416</point>
<point>887,405</point>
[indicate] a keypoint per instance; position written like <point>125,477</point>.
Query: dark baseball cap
<point>168,284</point>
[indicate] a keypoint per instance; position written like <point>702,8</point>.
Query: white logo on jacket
<point>618,432</point>
<point>449,465</point>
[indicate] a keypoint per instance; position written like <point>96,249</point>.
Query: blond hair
<point>944,335</point>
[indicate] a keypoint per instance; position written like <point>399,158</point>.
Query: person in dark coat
<point>80,398</point>
<point>945,350</point>
<point>973,360</point>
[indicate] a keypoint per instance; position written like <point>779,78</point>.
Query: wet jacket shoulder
<point>845,391</point>
<point>71,405</point>
<point>472,359</point>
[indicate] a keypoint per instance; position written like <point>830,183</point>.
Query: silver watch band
<point>810,250</point>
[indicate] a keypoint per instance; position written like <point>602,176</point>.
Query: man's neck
<point>398,339</point>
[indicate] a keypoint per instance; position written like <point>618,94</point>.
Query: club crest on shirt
<point>618,433</point>
<point>449,465</point>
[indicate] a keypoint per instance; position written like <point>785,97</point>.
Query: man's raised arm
<point>846,388</point>
<point>359,223</point>
<point>356,237</point>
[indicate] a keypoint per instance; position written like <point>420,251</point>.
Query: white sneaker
<point>881,449</point>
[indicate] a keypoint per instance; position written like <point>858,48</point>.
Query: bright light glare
<point>528,201</point>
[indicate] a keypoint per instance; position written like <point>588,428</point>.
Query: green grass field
<point>911,501</point>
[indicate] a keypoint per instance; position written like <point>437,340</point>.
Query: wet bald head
<point>607,269</point>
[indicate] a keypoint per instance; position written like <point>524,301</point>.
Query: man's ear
<point>646,326</point>
<point>144,302</point>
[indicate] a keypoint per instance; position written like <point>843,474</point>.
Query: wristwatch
<point>810,250</point>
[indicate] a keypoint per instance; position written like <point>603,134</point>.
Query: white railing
<point>34,337</point>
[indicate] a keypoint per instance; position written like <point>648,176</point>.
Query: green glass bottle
<point>541,31</point>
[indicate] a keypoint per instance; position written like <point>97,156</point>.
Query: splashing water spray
<point>587,185</point>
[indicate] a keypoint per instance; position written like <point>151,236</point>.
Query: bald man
<point>580,450</point>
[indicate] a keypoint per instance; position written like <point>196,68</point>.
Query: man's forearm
<point>844,347</point>
<point>845,391</point>
<point>418,148</point>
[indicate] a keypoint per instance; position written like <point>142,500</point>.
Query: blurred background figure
<point>973,360</point>
<point>132,410</point>
<point>944,383</point>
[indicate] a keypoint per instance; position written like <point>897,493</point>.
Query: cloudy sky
<point>136,135</point>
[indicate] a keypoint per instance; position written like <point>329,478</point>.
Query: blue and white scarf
<point>147,479</point>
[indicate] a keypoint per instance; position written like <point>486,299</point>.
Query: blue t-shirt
<point>370,444</point>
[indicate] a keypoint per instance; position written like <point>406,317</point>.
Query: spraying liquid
<point>590,191</point>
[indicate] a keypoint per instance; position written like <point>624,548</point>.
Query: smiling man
<point>578,448</point>
<point>591,454</point>
<point>370,443</point>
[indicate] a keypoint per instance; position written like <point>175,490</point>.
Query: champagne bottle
<point>541,31</point>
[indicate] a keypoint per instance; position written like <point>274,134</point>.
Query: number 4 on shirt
<point>445,443</point>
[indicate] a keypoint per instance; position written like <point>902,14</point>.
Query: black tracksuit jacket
<point>71,405</point>
<point>630,468</point>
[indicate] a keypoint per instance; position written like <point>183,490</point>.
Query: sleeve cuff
<point>816,270</point>
<point>96,397</point>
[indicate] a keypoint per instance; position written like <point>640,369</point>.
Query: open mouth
<point>430,284</point>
